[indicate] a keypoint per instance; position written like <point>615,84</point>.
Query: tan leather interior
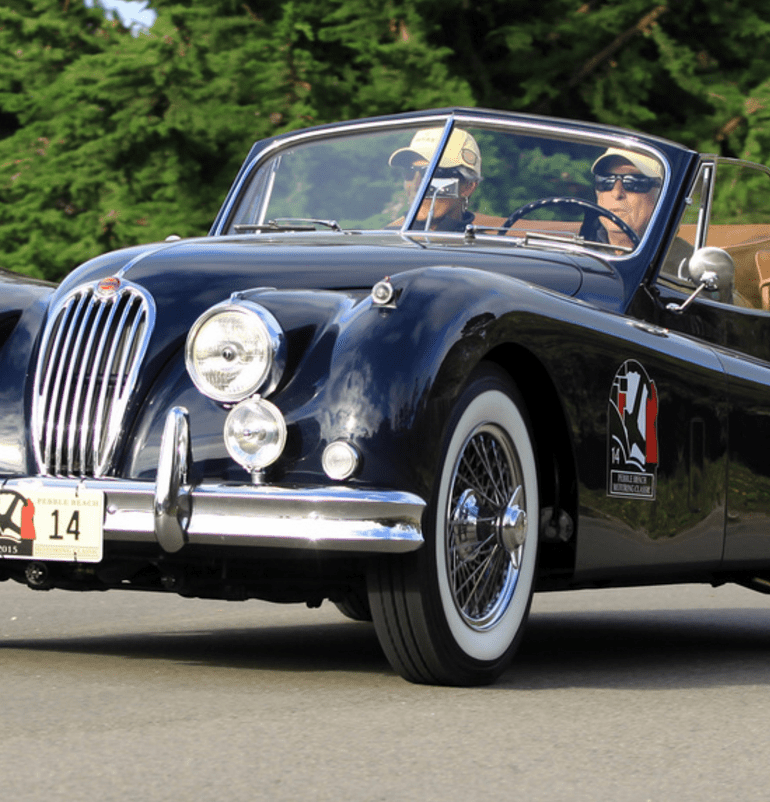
<point>763,269</point>
<point>749,246</point>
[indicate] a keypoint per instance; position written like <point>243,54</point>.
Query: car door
<point>653,466</point>
<point>729,208</point>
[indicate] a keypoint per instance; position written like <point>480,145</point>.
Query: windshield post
<point>418,198</point>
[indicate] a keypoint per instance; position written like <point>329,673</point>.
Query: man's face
<point>633,208</point>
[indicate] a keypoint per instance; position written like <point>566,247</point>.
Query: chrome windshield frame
<point>284,143</point>
<point>449,119</point>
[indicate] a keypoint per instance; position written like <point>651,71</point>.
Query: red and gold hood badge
<point>108,286</point>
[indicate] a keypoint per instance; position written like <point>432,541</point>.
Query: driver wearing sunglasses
<point>627,184</point>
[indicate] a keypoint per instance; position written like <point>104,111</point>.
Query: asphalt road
<point>643,694</point>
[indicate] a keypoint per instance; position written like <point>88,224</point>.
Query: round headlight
<point>232,351</point>
<point>255,434</point>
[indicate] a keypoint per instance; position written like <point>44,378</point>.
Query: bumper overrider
<point>174,514</point>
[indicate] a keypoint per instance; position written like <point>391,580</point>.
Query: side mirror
<point>440,188</point>
<point>711,269</point>
<point>444,188</point>
<point>714,268</point>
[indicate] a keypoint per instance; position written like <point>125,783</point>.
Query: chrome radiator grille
<point>92,349</point>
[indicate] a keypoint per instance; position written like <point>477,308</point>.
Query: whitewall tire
<point>453,612</point>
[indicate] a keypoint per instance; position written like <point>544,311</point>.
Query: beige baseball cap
<point>461,151</point>
<point>646,165</point>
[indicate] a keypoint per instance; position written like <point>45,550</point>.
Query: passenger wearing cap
<point>627,184</point>
<point>445,210</point>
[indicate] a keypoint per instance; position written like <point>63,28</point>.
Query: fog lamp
<point>255,434</point>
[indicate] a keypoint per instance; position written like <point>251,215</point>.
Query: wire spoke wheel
<point>482,565</point>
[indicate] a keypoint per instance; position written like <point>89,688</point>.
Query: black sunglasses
<point>410,173</point>
<point>631,182</point>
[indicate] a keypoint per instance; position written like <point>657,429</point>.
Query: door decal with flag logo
<point>632,433</point>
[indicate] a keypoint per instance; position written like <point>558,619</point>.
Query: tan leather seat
<point>762,260</point>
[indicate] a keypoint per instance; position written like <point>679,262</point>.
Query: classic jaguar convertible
<point>422,366</point>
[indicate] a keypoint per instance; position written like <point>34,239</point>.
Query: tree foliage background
<point>108,139</point>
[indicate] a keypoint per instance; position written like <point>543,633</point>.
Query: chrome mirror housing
<point>440,188</point>
<point>710,269</point>
<point>444,188</point>
<point>715,269</point>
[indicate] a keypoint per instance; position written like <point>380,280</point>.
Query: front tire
<point>355,605</point>
<point>453,612</point>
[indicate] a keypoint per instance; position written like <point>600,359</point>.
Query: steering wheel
<point>598,211</point>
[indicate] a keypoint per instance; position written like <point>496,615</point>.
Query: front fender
<point>389,379</point>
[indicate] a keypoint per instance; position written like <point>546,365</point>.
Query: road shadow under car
<point>607,649</point>
<point>682,648</point>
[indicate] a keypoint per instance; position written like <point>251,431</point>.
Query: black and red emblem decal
<point>17,524</point>
<point>632,434</point>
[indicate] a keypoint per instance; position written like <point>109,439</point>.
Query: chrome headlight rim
<point>272,333</point>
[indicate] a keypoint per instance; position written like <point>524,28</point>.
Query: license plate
<point>63,525</point>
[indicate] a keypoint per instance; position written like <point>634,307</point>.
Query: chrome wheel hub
<point>512,526</point>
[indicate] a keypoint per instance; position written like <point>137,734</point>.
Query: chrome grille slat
<point>40,422</point>
<point>69,371</point>
<point>87,419</point>
<point>77,408</point>
<point>49,376</point>
<point>106,372</point>
<point>89,361</point>
<point>59,370</point>
<point>125,373</point>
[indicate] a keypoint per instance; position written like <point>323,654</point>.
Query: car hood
<point>187,277</point>
<point>205,270</point>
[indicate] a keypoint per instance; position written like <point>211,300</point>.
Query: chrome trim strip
<point>706,178</point>
<point>411,214</point>
<point>257,516</point>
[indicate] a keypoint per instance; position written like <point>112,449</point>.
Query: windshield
<point>436,178</point>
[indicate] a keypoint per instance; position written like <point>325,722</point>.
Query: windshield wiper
<point>287,224</point>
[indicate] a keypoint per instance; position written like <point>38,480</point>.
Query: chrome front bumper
<point>173,513</point>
